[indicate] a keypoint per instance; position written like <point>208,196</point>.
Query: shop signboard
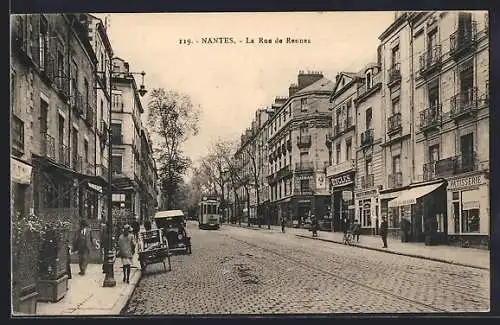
<point>20,172</point>
<point>464,182</point>
<point>347,195</point>
<point>342,180</point>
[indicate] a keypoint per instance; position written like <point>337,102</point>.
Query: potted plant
<point>53,258</point>
<point>25,236</point>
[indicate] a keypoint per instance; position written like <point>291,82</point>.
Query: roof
<point>169,213</point>
<point>323,84</point>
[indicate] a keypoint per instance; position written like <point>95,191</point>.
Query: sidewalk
<point>87,296</point>
<point>470,257</point>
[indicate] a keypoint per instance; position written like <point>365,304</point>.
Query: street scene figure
<point>383,231</point>
<point>283,224</point>
<point>126,250</point>
<point>136,227</point>
<point>355,229</point>
<point>83,243</point>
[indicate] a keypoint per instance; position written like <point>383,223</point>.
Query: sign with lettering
<point>20,172</point>
<point>342,180</point>
<point>364,194</point>
<point>95,187</point>
<point>469,181</point>
<point>346,195</point>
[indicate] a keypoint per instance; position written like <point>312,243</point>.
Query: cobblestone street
<point>244,271</point>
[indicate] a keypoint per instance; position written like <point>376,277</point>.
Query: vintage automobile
<point>173,227</point>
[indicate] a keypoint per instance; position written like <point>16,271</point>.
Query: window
<point>348,149</point>
<point>433,92</point>
<point>44,109</point>
<point>368,166</point>
<point>396,164</point>
<point>394,217</point>
<point>101,110</point>
<point>348,113</point>
<point>303,104</point>
<point>86,150</point>
<point>86,86</point>
<point>368,118</point>
<point>464,25</point>
<point>466,77</point>
<point>279,120</point>
<point>396,108</point>
<point>467,152</point>
<point>431,41</point>
<point>337,153</point>
<point>289,110</point>
<point>338,119</point>
<point>395,58</point>
<point>304,156</point>
<point>117,101</point>
<point>304,185</point>
<point>60,67</point>
<point>17,133</point>
<point>43,41</point>
<point>470,211</point>
<point>74,78</point>
<point>434,153</point>
<point>330,156</point>
<point>116,133</point>
<point>368,80</point>
<point>61,130</point>
<point>74,146</point>
<point>116,163</point>
<point>367,219</point>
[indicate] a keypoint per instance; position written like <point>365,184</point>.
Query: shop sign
<point>304,201</point>
<point>95,187</point>
<point>469,181</point>
<point>346,195</point>
<point>369,193</point>
<point>471,205</point>
<point>20,172</point>
<point>342,180</point>
<point>351,207</point>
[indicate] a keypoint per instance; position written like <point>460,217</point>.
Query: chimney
<point>125,64</point>
<point>280,100</point>
<point>308,78</point>
<point>292,89</point>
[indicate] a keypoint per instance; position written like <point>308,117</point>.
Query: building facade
<point>53,106</point>
<point>298,154</point>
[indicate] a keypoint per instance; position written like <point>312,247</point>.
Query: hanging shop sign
<point>95,187</point>
<point>342,180</point>
<point>464,182</point>
<point>20,172</point>
<point>347,195</point>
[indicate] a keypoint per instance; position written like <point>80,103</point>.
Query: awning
<point>410,196</point>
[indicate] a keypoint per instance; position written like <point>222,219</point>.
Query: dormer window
<point>369,80</point>
<point>303,104</point>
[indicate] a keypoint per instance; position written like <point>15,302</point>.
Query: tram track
<point>339,276</point>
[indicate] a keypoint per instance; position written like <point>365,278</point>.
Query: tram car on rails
<point>209,216</point>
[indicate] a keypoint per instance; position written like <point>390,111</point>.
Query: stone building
<point>298,154</point>
<point>126,129</point>
<point>148,177</point>
<point>53,122</point>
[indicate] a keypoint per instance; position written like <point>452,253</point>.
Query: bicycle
<point>348,238</point>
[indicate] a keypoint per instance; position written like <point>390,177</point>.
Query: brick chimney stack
<point>292,89</point>
<point>308,78</point>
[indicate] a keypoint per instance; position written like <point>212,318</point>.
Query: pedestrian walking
<point>356,229</point>
<point>126,250</point>
<point>283,223</point>
<point>383,230</point>
<point>136,227</point>
<point>83,242</point>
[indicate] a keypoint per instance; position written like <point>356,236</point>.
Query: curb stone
<point>123,300</point>
<point>400,253</point>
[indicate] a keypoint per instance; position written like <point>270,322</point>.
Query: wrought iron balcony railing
<point>463,40</point>
<point>430,60</point>
<point>367,181</point>
<point>63,155</point>
<point>450,166</point>
<point>395,180</point>
<point>340,168</point>
<point>367,138</point>
<point>394,123</point>
<point>464,103</point>
<point>77,101</point>
<point>394,74</point>
<point>304,141</point>
<point>48,146</point>
<point>304,166</point>
<point>430,117</point>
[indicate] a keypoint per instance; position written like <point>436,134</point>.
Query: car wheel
<point>189,251</point>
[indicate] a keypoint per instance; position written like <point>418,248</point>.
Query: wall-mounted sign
<point>347,195</point>
<point>95,187</point>
<point>20,172</point>
<point>342,180</point>
<point>364,194</point>
<point>469,181</point>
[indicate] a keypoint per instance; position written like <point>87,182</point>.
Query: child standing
<point>126,249</point>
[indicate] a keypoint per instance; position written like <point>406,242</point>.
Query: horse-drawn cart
<point>153,248</point>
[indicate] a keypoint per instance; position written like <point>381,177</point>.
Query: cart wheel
<point>169,264</point>
<point>189,250</point>
<point>164,266</point>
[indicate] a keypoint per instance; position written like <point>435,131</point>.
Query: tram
<point>209,216</point>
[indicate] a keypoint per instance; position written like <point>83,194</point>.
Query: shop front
<point>468,207</point>
<point>342,200</point>
<point>367,210</point>
<point>421,213</point>
<point>20,185</point>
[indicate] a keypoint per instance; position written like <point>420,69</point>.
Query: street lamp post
<point>109,279</point>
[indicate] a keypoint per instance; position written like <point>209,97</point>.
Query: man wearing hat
<point>126,249</point>
<point>383,231</point>
<point>83,243</point>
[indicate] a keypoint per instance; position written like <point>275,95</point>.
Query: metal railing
<point>304,166</point>
<point>77,101</point>
<point>430,59</point>
<point>394,123</point>
<point>430,117</point>
<point>63,154</point>
<point>464,102</point>
<point>304,140</point>
<point>367,137</point>
<point>395,180</point>
<point>394,73</point>
<point>453,165</point>
<point>89,168</point>
<point>463,39</point>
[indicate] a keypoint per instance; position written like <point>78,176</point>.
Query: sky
<point>231,81</point>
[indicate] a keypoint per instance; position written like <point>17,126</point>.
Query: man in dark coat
<point>83,243</point>
<point>383,230</point>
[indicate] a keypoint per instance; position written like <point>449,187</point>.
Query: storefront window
<point>367,219</point>
<point>406,213</point>
<point>456,217</point>
<point>394,217</point>
<point>470,220</point>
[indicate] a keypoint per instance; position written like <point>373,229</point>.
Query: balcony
<point>63,155</point>
<point>395,180</point>
<point>17,135</point>
<point>116,138</point>
<point>394,74</point>
<point>430,61</point>
<point>89,169</point>
<point>48,65</point>
<point>367,181</point>
<point>343,167</point>
<point>62,83</point>
<point>304,167</point>
<point>77,102</point>
<point>430,118</point>
<point>450,166</point>
<point>464,104</point>
<point>304,141</point>
<point>463,40</point>
<point>48,146</point>
<point>89,118</point>
<point>394,124</point>
<point>367,138</point>
<point>283,172</point>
